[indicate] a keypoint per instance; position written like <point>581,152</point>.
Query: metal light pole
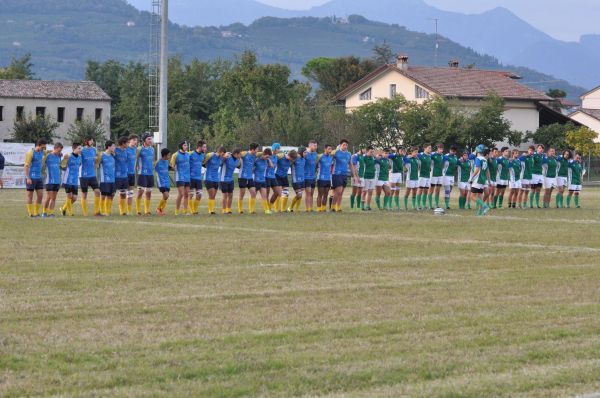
<point>437,43</point>
<point>164,69</point>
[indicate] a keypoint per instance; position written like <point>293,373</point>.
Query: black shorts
<point>196,184</point>
<point>245,182</point>
<point>36,184</point>
<point>108,188</point>
<point>227,186</point>
<point>324,184</point>
<point>260,185</point>
<point>122,183</point>
<point>52,187</point>
<point>182,184</point>
<point>211,185</point>
<point>339,181</point>
<point>477,190</point>
<point>309,184</point>
<point>145,181</point>
<point>163,190</point>
<point>537,185</point>
<point>271,182</point>
<point>72,189</point>
<point>88,182</point>
<point>501,186</point>
<point>282,181</point>
<point>131,180</point>
<point>298,185</point>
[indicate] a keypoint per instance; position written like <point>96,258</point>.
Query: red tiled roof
<point>52,89</point>
<point>459,83</point>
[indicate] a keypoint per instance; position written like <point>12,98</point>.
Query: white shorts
<point>575,188</point>
<point>502,183</point>
<point>396,178</point>
<point>370,184</point>
<point>562,181</point>
<point>424,182</point>
<point>437,180</point>
<point>515,185</point>
<point>493,184</point>
<point>448,181</point>
<point>359,184</point>
<point>465,186</point>
<point>382,183</point>
<point>412,184</point>
<point>537,179</point>
<point>525,182</point>
<point>550,183</point>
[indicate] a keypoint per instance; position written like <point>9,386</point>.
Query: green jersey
<point>412,168</point>
<point>425,165</point>
<point>515,169</point>
<point>397,164</point>
<point>493,167</point>
<point>384,169</point>
<point>482,164</point>
<point>437,161</point>
<point>576,172</point>
<point>538,164</point>
<point>503,168</point>
<point>551,166</point>
<point>527,167</point>
<point>563,167</point>
<point>361,166</point>
<point>369,162</point>
<point>464,169</point>
<point>451,163</point>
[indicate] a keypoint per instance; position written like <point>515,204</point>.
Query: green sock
<point>358,201</point>
<point>430,200</point>
<point>479,204</point>
<point>437,201</point>
<point>577,201</point>
<point>495,201</point>
<point>363,205</point>
<point>378,202</point>
<point>418,200</point>
<point>557,200</point>
<point>406,203</point>
<point>569,201</point>
<point>531,197</point>
<point>461,202</point>
<point>414,202</point>
<point>424,200</point>
<point>537,199</point>
<point>352,199</point>
<point>447,202</point>
<point>397,201</point>
<point>385,202</point>
<point>500,201</point>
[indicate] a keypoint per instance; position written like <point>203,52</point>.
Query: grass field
<point>352,304</point>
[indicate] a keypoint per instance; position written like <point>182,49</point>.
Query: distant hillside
<point>63,34</point>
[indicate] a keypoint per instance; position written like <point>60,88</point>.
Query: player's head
<point>515,153</point>
<point>276,148</point>
<point>41,144</point>
<point>183,146</point>
<point>201,146</point>
<point>494,152</point>
<point>531,149</point>
<point>344,144</point>
<point>386,152</point>
<point>486,152</point>
<point>480,149</point>
<point>312,145</point>
<point>292,155</point>
<point>221,151</point>
<point>465,156</point>
<point>427,148</point>
<point>566,154</point>
<point>237,152</point>
<point>453,150</point>
<point>109,146</point>
<point>505,152</point>
<point>301,152</point>
<point>58,147</point>
<point>439,148</point>
<point>540,149</point>
<point>133,140</point>
<point>123,141</point>
<point>328,149</point>
<point>76,147</point>
<point>578,157</point>
<point>369,151</point>
<point>551,151</point>
<point>267,152</point>
<point>164,153</point>
<point>147,139</point>
<point>88,141</point>
<point>253,147</point>
<point>414,151</point>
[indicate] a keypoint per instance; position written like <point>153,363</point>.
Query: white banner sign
<point>14,161</point>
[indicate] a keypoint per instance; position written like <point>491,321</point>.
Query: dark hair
<point>532,147</point>
<point>134,137</point>
<point>58,145</point>
<point>123,140</point>
<point>108,144</point>
<point>200,143</point>
<point>370,148</point>
<point>328,146</point>
<point>164,152</point>
<point>301,151</point>
<point>504,148</point>
<point>221,149</point>
<point>344,141</point>
<point>86,140</point>
<point>386,150</point>
<point>312,142</point>
<point>41,142</point>
<point>236,151</point>
<point>567,152</point>
<point>541,145</point>
<point>76,144</point>
<point>253,146</point>
<point>454,148</point>
<point>268,152</point>
<point>439,146</point>
<point>181,144</point>
<point>293,154</point>
<point>486,152</point>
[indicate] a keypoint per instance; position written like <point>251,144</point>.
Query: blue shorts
<point>271,182</point>
<point>260,184</point>
<point>298,186</point>
<point>182,184</point>
<point>72,189</point>
<point>36,184</point>
<point>122,183</point>
<point>245,182</point>
<point>309,183</point>
<point>227,186</point>
<point>88,182</point>
<point>131,180</point>
<point>108,188</point>
<point>211,185</point>
<point>52,187</point>
<point>145,181</point>
<point>339,181</point>
<point>324,184</point>
<point>282,181</point>
<point>196,184</point>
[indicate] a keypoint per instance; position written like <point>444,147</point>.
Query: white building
<point>65,102</point>
<point>589,113</point>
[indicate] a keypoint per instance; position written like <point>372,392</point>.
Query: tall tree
<point>335,74</point>
<point>382,54</point>
<point>18,69</point>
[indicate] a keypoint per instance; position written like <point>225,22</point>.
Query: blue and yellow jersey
<point>162,173</point>
<point>298,170</point>
<point>71,164</point>
<point>271,168</point>
<point>227,169</point>
<point>107,168</point>
<point>35,159</point>
<point>121,166</point>
<point>89,156</point>
<point>310,168</point>
<point>196,162</point>
<point>283,165</point>
<point>180,162</point>
<point>145,156</point>
<point>324,162</point>
<point>247,168</point>
<point>52,164</point>
<point>131,159</point>
<point>260,169</point>
<point>212,162</point>
<point>341,162</point>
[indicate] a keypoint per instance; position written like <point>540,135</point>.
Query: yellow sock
<point>84,208</point>
<point>298,203</point>
<point>96,205</point>
<point>122,205</point>
<point>251,205</point>
<point>176,212</point>
<point>30,209</point>
<point>284,202</point>
<point>161,204</point>
<point>129,207</point>
<point>192,204</point>
<point>108,206</point>
<point>211,205</point>
<point>138,205</point>
<point>277,205</point>
<point>36,209</point>
<point>69,207</point>
<point>196,205</point>
<point>240,206</point>
<point>265,204</point>
<point>293,204</point>
<point>146,205</point>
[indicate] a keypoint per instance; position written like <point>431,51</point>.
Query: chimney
<point>453,63</point>
<point>402,61</point>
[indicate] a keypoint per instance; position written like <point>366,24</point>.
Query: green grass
<point>379,304</point>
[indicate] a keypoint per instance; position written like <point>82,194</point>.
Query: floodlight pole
<point>164,75</point>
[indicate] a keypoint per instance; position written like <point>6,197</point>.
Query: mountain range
<point>498,32</point>
<point>63,34</point>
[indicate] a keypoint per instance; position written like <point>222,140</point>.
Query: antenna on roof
<point>437,41</point>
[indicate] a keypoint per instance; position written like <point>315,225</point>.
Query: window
<point>421,92</point>
<point>20,111</point>
<point>40,111</point>
<point>392,90</point>
<point>98,114</point>
<point>1,115</point>
<point>365,96</point>
<point>60,115</point>
<point>79,114</point>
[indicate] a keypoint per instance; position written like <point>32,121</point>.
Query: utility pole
<point>437,41</point>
